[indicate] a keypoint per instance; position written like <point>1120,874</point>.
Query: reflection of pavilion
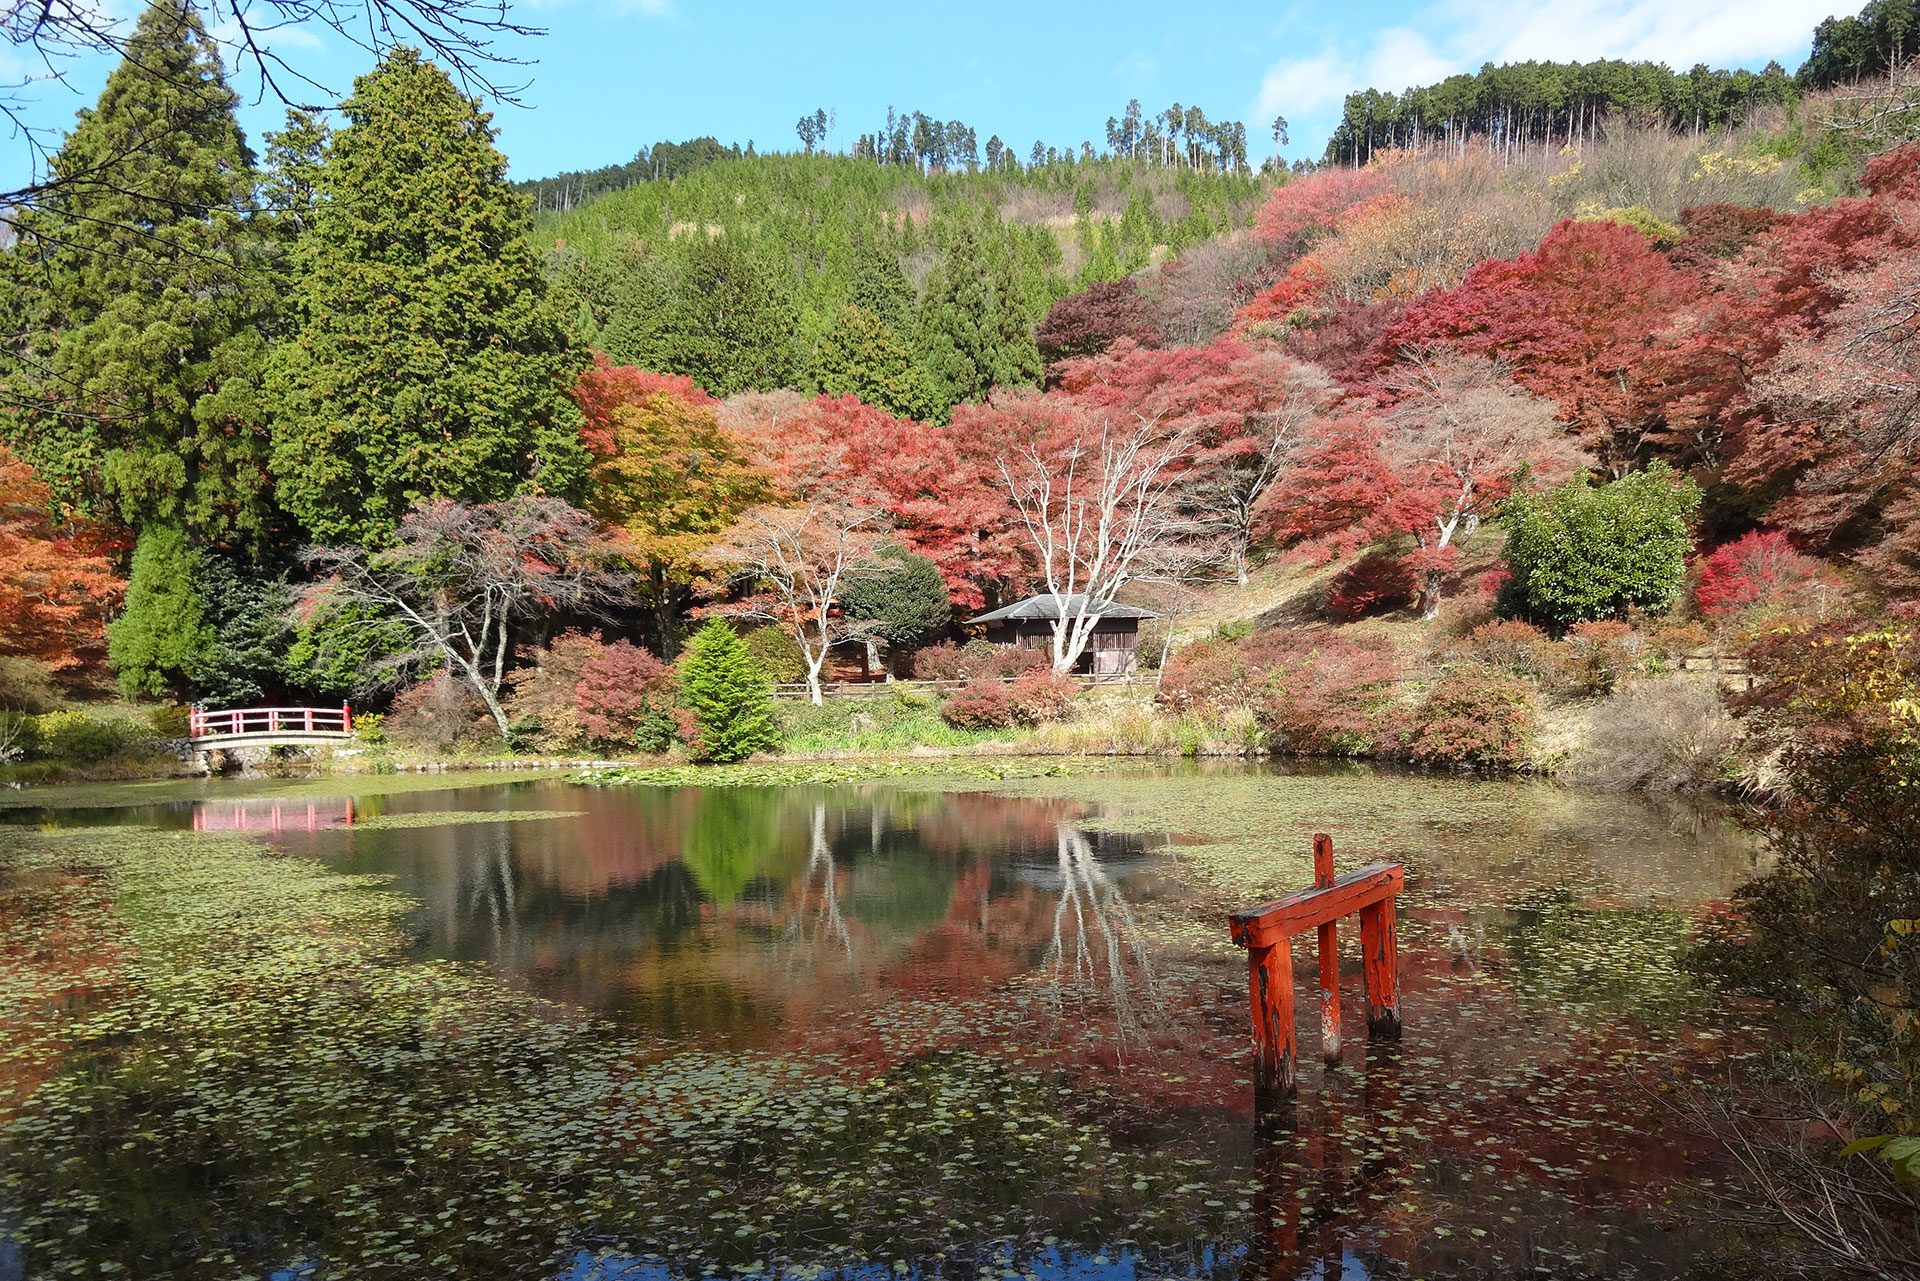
<point>273,816</point>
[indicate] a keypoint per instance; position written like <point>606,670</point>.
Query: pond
<point>970,1026</point>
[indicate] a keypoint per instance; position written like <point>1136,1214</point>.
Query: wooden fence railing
<point>883,689</point>
<point>269,720</point>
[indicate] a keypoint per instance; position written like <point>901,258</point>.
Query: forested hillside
<point>915,288</point>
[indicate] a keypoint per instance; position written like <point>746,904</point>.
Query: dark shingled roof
<point>1047,607</point>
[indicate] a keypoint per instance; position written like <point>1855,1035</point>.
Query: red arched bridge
<point>269,726</point>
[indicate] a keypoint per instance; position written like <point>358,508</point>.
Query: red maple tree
<point>57,587</point>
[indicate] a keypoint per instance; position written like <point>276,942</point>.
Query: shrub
<point>27,685</point>
<point>75,738</point>
<point>1006,660</point>
<point>1151,647</point>
<point>1471,716</point>
<point>440,714</point>
<point>979,704</point>
<point>540,698</point>
<point>1601,654</point>
<point>728,694</point>
<point>975,659</point>
<point>172,721</point>
<point>1325,696</point>
<point>624,698</point>
<point>19,736</point>
<point>1763,572</point>
<point>1657,735</point>
<point>1828,930</point>
<point>1207,678</point>
<point>1378,583</point>
<point>1513,647</point>
<point>1582,553</point>
<point>1040,696</point>
<point>943,662</point>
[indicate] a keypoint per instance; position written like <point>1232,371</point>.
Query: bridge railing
<point>269,720</point>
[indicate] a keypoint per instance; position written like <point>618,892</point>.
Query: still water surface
<point>1520,1129</point>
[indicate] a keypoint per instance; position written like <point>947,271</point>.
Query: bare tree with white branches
<point>794,562</point>
<point>1099,503</point>
<point>462,577</point>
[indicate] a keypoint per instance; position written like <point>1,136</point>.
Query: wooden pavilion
<point>1029,624</point>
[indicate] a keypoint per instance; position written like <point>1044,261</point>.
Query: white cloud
<point>1402,56</point>
<point>1676,32</point>
<point>1303,85</point>
<point>1459,35</point>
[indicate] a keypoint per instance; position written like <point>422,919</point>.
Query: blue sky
<point>613,75</point>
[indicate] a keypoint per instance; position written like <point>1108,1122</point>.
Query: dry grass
<point>1661,735</point>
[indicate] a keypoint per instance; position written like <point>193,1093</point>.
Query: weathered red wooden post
<point>1380,958</point>
<point>1270,987</point>
<point>1266,930</point>
<point>1328,941</point>
<point>346,718</point>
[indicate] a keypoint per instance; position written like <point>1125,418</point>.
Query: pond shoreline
<point>881,764</point>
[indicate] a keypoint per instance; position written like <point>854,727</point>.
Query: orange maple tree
<point>56,584</point>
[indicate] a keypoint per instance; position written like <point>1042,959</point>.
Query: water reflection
<point>747,912</point>
<point>273,816</point>
<point>863,929</point>
<point>1097,944</point>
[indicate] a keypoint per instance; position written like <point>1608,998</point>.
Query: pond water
<point>980,1028</point>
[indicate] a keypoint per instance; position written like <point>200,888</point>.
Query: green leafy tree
<point>905,603</point>
<point>155,645</point>
<point>727,691</point>
<point>1581,552</point>
<point>429,362</point>
<point>138,296</point>
<point>864,357</point>
<point>342,649</point>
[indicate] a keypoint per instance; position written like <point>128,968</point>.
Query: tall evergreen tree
<point>880,286</point>
<point>136,300</point>
<point>732,320</point>
<point>958,342</point>
<point>429,361</point>
<point>863,356</point>
<point>1016,357</point>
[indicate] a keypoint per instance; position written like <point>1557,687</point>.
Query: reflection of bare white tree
<point>1098,944</point>
<point>490,889</point>
<point>817,916</point>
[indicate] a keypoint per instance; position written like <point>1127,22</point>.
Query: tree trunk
<point>1430,595</point>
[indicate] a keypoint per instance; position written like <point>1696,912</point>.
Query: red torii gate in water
<point>1267,931</point>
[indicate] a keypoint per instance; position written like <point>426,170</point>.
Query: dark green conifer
<point>138,298</point>
<point>429,361</point>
